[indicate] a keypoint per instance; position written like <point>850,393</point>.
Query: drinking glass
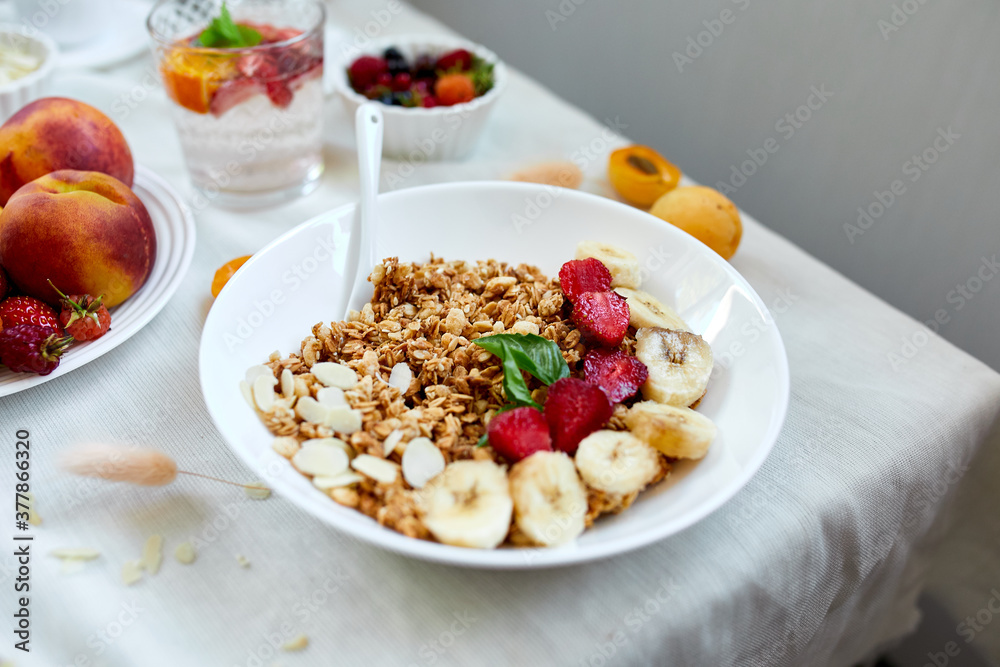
<point>249,119</point>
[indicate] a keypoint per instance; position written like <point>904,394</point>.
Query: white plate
<point>275,299</point>
<point>175,235</point>
<point>124,37</point>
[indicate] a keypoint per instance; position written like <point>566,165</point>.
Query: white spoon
<point>368,129</point>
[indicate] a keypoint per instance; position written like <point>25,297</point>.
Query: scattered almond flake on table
<point>33,517</point>
<point>131,572</point>
<point>152,553</point>
<point>242,560</point>
<point>75,553</point>
<point>257,493</point>
<point>296,644</point>
<point>185,553</point>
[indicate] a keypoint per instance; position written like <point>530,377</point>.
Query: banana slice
<point>644,310</point>
<point>468,505</point>
<point>679,363</point>
<point>622,264</point>
<point>550,501</point>
<point>680,433</point>
<point>616,462</point>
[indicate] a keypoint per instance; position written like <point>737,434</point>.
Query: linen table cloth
<point>881,485</point>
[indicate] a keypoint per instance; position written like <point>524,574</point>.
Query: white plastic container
<point>416,133</point>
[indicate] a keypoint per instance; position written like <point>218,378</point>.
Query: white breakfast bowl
<point>419,134</point>
<point>18,93</point>
<point>299,279</point>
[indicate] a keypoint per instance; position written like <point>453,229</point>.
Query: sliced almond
<point>321,460</point>
<point>261,491</point>
<point>331,397</point>
<point>391,441</point>
<point>131,572</point>
<point>263,392</point>
<point>247,393</point>
<point>152,554</point>
<point>242,560</point>
<point>286,446</point>
<point>337,481</point>
<point>378,469</point>
<point>400,377</point>
<point>343,419</point>
<point>422,460</point>
<point>309,409</point>
<point>79,553</point>
<point>287,383</point>
<point>296,644</point>
<point>334,375</point>
<point>185,553</point>
<point>332,442</point>
<point>255,372</point>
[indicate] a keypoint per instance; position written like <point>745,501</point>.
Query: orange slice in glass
<point>191,77</point>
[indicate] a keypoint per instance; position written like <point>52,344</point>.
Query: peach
<point>85,231</point>
<point>56,133</point>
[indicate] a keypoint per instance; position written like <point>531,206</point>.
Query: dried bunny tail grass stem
<point>134,465</point>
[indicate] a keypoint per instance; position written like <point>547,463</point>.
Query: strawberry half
<point>574,409</point>
<point>579,276</point>
<point>602,316</point>
<point>614,371</point>
<point>28,310</point>
<point>519,433</point>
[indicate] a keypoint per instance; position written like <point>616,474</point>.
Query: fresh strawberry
<point>574,409</point>
<point>279,93</point>
<point>602,316</point>
<point>454,89</point>
<point>365,70</point>
<point>459,59</point>
<point>519,433</point>
<point>28,310</point>
<point>614,371</point>
<point>29,348</point>
<point>234,92</point>
<point>82,316</point>
<point>257,66</point>
<point>584,275</point>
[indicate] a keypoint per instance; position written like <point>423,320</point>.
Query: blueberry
<point>392,53</point>
<point>403,99</point>
<point>386,99</point>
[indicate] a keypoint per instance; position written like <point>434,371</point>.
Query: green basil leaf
<point>484,440</point>
<point>525,352</point>
<point>223,33</point>
<point>514,385</point>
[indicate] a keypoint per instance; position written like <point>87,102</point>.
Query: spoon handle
<point>368,128</point>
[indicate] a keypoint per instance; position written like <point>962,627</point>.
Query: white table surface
<point>817,561</point>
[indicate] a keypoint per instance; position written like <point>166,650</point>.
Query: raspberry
<point>364,70</point>
<point>614,371</point>
<point>519,433</point>
<point>29,348</point>
<point>578,276</point>
<point>28,310</point>
<point>602,316</point>
<point>574,409</point>
<point>459,59</point>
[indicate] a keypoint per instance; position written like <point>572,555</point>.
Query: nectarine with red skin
<point>56,133</point>
<point>85,231</point>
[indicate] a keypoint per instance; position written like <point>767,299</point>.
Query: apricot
<point>704,213</point>
<point>641,175</point>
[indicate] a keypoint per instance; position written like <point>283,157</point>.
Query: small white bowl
<point>416,133</point>
<point>18,93</point>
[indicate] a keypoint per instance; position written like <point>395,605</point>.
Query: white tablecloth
<point>882,483</point>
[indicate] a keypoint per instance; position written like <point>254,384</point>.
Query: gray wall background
<point>927,67</point>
